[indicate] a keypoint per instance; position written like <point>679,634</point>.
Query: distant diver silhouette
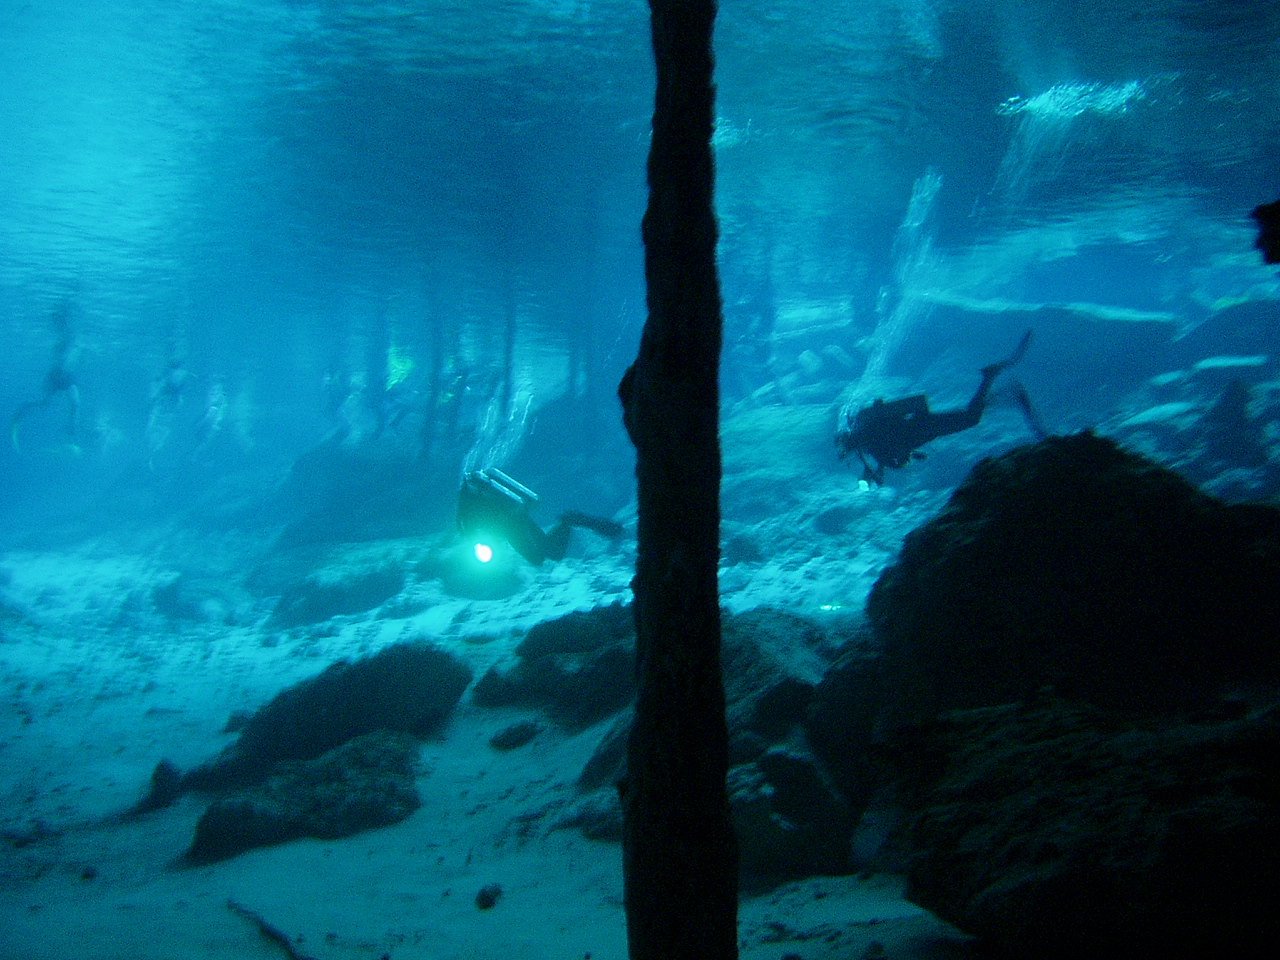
<point>1267,216</point>
<point>493,505</point>
<point>889,434</point>
<point>59,380</point>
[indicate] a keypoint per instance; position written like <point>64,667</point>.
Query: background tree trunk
<point>679,852</point>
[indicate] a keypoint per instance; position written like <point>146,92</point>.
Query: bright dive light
<point>484,552</point>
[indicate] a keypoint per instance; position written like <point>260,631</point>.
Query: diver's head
<point>849,439</point>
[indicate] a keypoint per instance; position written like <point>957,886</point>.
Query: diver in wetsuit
<point>59,380</point>
<point>492,504</point>
<point>891,433</point>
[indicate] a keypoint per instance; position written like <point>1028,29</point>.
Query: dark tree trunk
<point>680,856</point>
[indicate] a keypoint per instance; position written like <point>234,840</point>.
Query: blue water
<point>379,243</point>
<point>273,191</point>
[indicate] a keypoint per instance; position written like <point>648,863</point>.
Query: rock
<point>516,735</point>
<point>408,687</point>
<point>772,660</point>
<point>366,783</point>
<point>488,896</point>
<point>579,668</point>
<point>1074,564</point>
<point>334,593</point>
<point>789,819</point>
<point>1055,829</point>
<point>608,762</point>
<point>598,815</point>
<point>166,788</point>
<point>841,719</point>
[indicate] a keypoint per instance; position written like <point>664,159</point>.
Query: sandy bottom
<point>94,695</point>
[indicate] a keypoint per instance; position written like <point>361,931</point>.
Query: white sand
<point>97,688</point>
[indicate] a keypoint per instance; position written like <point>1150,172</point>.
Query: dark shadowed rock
<point>409,687</point>
<point>579,668</point>
<point>515,736</point>
<point>841,719</point>
<point>772,660</point>
<point>1053,829</point>
<point>366,783</point>
<point>608,762</point>
<point>790,820</point>
<point>334,593</point>
<point>1074,564</point>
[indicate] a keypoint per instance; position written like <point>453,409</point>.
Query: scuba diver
<point>60,379</point>
<point>168,391</point>
<point>891,433</point>
<point>1267,216</point>
<point>492,504</point>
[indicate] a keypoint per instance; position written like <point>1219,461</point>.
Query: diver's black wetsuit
<point>59,380</point>
<point>891,432</point>
<point>489,507</point>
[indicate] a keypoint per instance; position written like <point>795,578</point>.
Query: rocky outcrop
<point>579,668</point>
<point>1077,722</point>
<point>790,819</point>
<point>366,783</point>
<point>408,688</point>
<point>334,593</point>
<point>1074,564</point>
<point>1054,829</point>
<point>840,722</point>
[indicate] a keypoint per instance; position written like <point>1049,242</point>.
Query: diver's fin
<point>1028,412</point>
<point>995,369</point>
<point>13,435</point>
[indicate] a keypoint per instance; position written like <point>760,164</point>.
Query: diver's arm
<point>872,474</point>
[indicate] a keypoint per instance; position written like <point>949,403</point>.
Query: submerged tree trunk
<point>680,856</point>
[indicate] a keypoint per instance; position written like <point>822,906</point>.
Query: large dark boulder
<point>772,660</point>
<point>1073,564</point>
<point>409,687</point>
<point>1054,829</point>
<point>365,783</point>
<point>579,668</point>
<point>840,722</point>
<point>790,819</point>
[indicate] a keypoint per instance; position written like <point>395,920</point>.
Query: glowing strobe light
<point>484,552</point>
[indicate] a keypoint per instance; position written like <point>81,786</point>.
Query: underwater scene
<point>319,516</point>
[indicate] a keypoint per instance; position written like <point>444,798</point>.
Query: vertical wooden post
<point>679,852</point>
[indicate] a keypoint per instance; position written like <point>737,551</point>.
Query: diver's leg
<point>601,525</point>
<point>531,542</point>
<point>556,540</point>
<point>18,416</point>
<point>953,421</point>
<point>73,397</point>
<point>995,369</point>
<point>978,403</point>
